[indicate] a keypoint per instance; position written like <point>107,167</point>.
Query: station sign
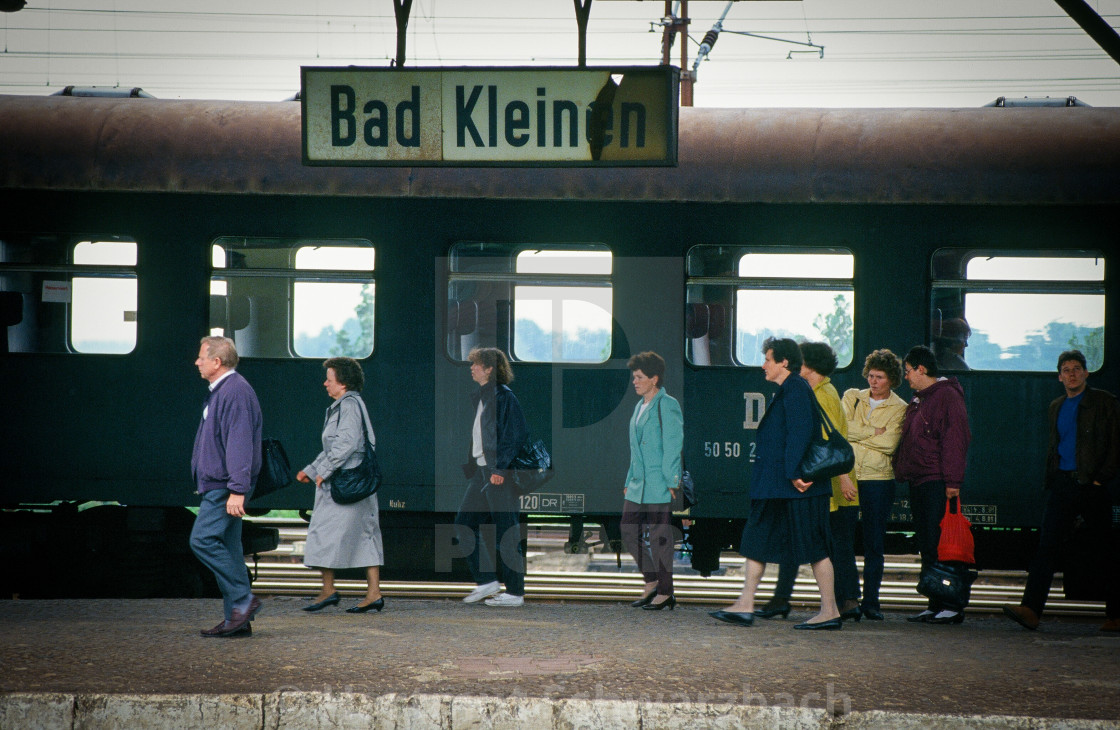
<point>617,116</point>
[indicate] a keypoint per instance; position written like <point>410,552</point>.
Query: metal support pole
<point>401,9</point>
<point>583,13</point>
<point>1094,25</point>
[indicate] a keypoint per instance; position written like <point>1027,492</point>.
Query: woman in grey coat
<point>343,535</point>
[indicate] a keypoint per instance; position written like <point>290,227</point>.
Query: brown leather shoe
<point>220,631</point>
<point>1021,615</point>
<point>1112,624</point>
<point>214,631</point>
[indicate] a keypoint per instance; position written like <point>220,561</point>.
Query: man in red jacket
<point>1083,457</point>
<point>931,456</point>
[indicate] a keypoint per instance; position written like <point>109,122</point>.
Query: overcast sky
<point>877,53</point>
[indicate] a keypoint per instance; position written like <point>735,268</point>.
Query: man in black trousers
<point>1084,455</point>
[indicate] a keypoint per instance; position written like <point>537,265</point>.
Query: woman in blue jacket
<point>788,519</point>
<point>656,439</point>
<point>498,431</point>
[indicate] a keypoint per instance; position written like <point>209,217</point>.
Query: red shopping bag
<point>956,544</point>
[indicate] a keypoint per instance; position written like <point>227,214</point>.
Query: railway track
<point>597,576</point>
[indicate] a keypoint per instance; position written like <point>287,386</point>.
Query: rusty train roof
<point>951,156</point>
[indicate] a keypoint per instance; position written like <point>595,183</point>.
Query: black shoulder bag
<point>532,466</point>
<point>829,454</point>
<point>353,485</point>
<point>276,470</point>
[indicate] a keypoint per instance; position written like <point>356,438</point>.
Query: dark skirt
<point>787,530</point>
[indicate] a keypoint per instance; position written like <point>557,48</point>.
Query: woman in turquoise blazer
<point>656,440</point>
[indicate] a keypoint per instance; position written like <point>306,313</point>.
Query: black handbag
<point>276,470</point>
<point>947,584</point>
<point>532,466</point>
<point>353,485</point>
<point>829,453</point>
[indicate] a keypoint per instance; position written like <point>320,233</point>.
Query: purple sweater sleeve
<point>955,439</point>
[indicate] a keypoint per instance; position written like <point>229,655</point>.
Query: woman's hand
<point>951,492</point>
<point>497,479</point>
<point>847,488</point>
<point>318,482</point>
<point>801,485</point>
<point>301,477</point>
<point>880,431</point>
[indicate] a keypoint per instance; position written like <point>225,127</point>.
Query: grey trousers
<point>216,541</point>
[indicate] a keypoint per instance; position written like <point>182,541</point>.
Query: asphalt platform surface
<point>558,650</point>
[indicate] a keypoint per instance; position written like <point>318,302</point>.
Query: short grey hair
<point>221,348</point>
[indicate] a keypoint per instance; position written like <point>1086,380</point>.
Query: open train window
<point>1016,310</point>
<point>293,297</point>
<point>738,296</point>
<point>68,294</point>
<point>546,303</point>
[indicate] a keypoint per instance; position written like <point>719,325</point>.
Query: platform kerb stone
<point>112,712</point>
<point>344,710</point>
<point>690,715</point>
<point>27,710</point>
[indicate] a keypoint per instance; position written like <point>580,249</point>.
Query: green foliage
<point>836,328</point>
<point>1040,351</point>
<point>585,345</point>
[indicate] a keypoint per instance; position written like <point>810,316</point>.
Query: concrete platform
<point>440,663</point>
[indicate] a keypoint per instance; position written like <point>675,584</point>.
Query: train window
<point>539,303</point>
<point>68,294</point>
<point>1013,310</point>
<point>103,307</point>
<point>738,296</point>
<point>294,297</point>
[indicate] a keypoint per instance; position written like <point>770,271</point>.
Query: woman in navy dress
<point>788,519</point>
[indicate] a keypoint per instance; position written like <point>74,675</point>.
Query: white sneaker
<point>482,591</point>
<point>505,599</point>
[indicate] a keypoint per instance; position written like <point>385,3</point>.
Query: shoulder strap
<point>362,408</point>
<point>826,421</point>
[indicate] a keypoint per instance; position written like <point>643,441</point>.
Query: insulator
<point>710,38</point>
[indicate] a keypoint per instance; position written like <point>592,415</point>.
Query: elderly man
<point>224,464</point>
<point>1084,455</point>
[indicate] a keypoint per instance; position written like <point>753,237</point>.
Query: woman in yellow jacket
<point>818,362</point>
<point>874,417</point>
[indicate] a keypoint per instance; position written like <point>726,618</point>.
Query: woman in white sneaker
<point>498,431</point>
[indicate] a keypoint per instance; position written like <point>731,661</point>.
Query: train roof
<point>892,156</point>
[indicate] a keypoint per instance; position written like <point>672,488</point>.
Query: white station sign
<point>490,116</point>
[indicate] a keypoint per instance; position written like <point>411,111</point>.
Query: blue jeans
<point>875,500</point>
<point>216,540</point>
<point>491,514</point>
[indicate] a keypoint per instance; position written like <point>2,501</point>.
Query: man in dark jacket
<point>931,456</point>
<point>1083,457</point>
<point>224,464</point>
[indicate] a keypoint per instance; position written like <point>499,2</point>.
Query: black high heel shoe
<point>872,614</point>
<point>331,600</point>
<point>668,603</point>
<point>770,610</point>
<point>644,600</point>
<point>374,606</point>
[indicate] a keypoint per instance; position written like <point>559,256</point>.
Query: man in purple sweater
<point>224,464</point>
<point>931,456</point>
